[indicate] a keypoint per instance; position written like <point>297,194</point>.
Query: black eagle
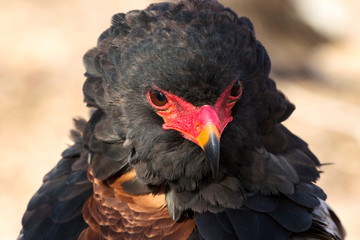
<point>185,139</point>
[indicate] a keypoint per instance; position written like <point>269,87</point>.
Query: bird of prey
<point>185,139</point>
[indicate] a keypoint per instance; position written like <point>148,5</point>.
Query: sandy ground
<point>41,47</point>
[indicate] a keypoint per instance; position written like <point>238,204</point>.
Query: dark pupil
<point>158,98</point>
<point>236,89</point>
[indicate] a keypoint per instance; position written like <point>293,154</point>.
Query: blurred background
<point>315,52</point>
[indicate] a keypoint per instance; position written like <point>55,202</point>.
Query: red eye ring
<point>235,92</point>
<point>157,99</point>
<point>236,89</point>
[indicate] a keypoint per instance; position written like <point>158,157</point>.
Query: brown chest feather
<point>114,214</point>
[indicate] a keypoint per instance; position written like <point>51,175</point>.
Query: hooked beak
<point>201,126</point>
<point>209,140</point>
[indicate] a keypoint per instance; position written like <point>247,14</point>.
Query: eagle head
<point>201,125</point>
<point>181,95</point>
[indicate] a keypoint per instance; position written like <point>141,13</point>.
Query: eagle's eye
<point>236,89</point>
<point>158,99</point>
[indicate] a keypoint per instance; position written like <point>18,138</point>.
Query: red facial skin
<point>189,120</point>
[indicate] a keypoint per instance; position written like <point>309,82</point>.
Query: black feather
<point>210,229</point>
<point>69,230</point>
<point>77,177</point>
<point>74,190</point>
<point>32,217</point>
<point>61,169</point>
<point>312,189</point>
<point>64,211</point>
<point>103,168</point>
<point>72,151</point>
<point>37,231</point>
<point>54,212</point>
<point>292,217</point>
<point>134,187</point>
<point>37,201</point>
<point>262,203</point>
<point>304,199</point>
<point>251,225</point>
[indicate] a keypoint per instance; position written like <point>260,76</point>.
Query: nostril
<point>197,127</point>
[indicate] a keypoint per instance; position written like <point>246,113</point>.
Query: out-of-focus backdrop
<point>314,46</point>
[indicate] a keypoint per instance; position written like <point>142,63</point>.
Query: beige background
<point>41,47</point>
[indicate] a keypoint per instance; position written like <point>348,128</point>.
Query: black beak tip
<point>212,152</point>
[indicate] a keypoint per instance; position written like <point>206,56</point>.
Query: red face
<point>201,125</point>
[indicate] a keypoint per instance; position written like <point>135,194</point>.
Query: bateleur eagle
<point>185,139</point>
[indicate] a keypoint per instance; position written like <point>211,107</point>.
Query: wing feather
<point>54,212</point>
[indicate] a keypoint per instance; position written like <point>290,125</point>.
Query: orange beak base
<point>209,140</point>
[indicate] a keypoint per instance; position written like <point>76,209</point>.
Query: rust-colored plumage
<point>114,214</point>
